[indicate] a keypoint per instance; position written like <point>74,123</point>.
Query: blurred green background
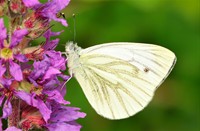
<point>174,24</point>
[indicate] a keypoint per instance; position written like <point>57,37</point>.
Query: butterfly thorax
<point>72,53</point>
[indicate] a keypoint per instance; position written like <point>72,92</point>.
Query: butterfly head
<point>71,48</point>
<point>72,54</point>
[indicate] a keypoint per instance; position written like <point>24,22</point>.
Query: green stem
<point>10,23</point>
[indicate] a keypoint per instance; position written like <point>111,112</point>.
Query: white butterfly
<point>119,79</point>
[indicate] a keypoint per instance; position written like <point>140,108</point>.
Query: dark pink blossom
<point>63,117</point>
<point>49,9</point>
<point>8,52</point>
<point>32,79</point>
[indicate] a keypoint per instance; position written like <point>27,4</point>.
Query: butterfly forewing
<point>119,79</point>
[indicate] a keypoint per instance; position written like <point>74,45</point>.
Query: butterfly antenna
<point>74,18</point>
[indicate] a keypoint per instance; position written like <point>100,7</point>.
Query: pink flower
<point>48,10</point>
<point>9,53</point>
<point>32,77</point>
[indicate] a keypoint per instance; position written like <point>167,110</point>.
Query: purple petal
<point>21,58</point>
<point>7,109</point>
<point>49,33</point>
<point>50,45</point>
<point>50,72</point>
<point>16,71</point>
<point>62,21</point>
<point>12,128</point>
<point>63,127</point>
<point>50,85</point>
<point>66,114</point>
<point>57,60</point>
<point>2,69</point>
<point>55,95</point>
<point>32,100</point>
<point>17,36</point>
<point>33,81</point>
<point>40,68</point>
<point>60,4</point>
<point>53,7</point>
<point>38,103</point>
<point>3,33</point>
<point>64,77</point>
<point>5,82</point>
<point>31,3</point>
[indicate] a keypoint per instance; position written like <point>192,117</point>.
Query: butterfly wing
<point>119,79</point>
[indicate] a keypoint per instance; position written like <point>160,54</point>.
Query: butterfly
<point>119,79</point>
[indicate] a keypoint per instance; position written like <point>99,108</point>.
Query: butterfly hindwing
<point>119,79</point>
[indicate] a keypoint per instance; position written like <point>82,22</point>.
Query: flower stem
<point>14,118</point>
<point>9,24</point>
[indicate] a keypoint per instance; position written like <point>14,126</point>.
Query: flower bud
<point>17,7</point>
<point>34,53</point>
<point>36,24</point>
<point>30,117</point>
<point>2,7</point>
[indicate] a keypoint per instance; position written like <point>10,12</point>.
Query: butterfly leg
<point>66,81</point>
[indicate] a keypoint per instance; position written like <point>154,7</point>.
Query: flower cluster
<point>31,77</point>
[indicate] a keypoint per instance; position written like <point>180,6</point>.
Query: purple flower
<point>63,118</point>
<point>8,52</point>
<point>3,32</point>
<point>35,101</point>
<point>17,7</point>
<point>32,77</point>
<point>37,21</point>
<point>47,69</point>
<point>30,117</point>
<point>6,93</point>
<point>50,44</point>
<point>48,10</point>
